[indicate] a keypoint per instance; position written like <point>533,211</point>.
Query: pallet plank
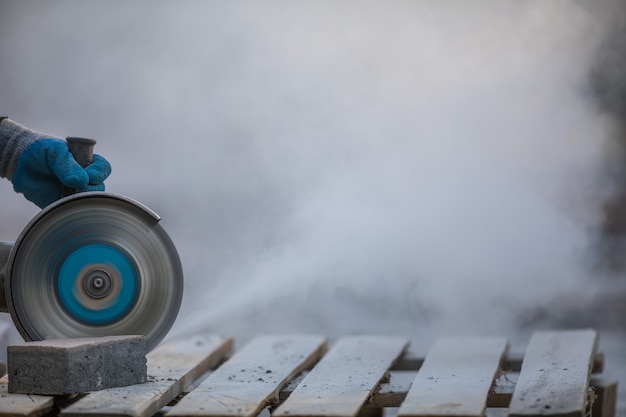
<point>5,333</point>
<point>455,378</point>
<point>344,379</point>
<point>171,368</point>
<point>253,376</point>
<point>22,405</point>
<point>393,392</point>
<point>604,399</point>
<point>555,374</point>
<point>412,360</point>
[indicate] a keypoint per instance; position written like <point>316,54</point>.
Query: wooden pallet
<point>305,376</point>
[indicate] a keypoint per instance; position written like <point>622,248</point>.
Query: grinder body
<point>92,264</point>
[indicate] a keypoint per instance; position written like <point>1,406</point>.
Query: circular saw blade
<point>94,264</point>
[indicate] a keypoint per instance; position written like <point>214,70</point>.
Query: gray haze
<point>336,167</point>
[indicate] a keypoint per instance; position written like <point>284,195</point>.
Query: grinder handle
<point>82,150</point>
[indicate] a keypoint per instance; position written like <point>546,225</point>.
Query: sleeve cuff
<point>14,139</point>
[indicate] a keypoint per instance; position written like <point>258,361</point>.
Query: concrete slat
<point>252,377</point>
<point>344,379</point>
<point>455,378</point>
<point>22,405</point>
<point>554,378</point>
<point>171,368</point>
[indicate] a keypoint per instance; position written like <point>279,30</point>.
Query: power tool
<point>91,264</point>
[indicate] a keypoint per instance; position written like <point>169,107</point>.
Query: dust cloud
<point>336,167</point>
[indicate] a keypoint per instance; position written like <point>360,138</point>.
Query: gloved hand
<point>47,164</point>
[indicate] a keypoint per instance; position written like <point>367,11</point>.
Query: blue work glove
<point>47,164</point>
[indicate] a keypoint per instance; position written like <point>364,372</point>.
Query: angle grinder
<point>91,264</point>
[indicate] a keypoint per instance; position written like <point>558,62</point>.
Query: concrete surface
<point>68,366</point>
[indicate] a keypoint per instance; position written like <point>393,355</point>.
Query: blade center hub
<point>97,283</point>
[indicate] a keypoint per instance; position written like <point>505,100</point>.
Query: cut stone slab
<point>71,366</point>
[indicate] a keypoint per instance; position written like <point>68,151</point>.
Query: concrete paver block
<point>69,366</point>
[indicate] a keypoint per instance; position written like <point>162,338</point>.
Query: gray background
<point>417,168</point>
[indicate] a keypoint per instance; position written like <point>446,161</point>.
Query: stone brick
<point>69,366</point>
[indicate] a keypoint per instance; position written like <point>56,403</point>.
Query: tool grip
<point>82,151</point>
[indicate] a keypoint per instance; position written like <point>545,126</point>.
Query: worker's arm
<point>39,165</point>
<point>14,139</point>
